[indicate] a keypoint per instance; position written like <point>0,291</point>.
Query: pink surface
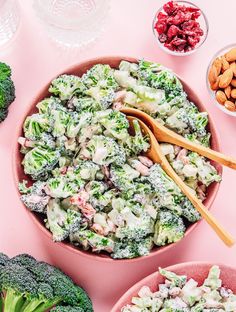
<point>34,61</point>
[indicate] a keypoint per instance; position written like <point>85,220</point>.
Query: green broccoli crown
<point>5,71</point>
<point>32,286</point>
<point>7,95</point>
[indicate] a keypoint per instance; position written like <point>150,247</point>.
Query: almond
<point>228,91</point>
<point>233,83</point>
<point>233,66</point>
<point>221,97</point>
<point>212,75</point>
<point>226,78</point>
<point>230,106</point>
<point>225,64</point>
<point>215,85</point>
<point>231,55</point>
<point>218,64</point>
<point>233,93</point>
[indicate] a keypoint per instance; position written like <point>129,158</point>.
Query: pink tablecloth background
<point>34,61</point>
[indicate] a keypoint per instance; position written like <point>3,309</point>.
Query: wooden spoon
<point>163,134</point>
<point>156,155</point>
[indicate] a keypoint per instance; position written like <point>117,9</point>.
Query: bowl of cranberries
<point>180,27</point>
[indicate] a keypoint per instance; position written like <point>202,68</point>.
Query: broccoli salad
<point>90,178</point>
<point>177,294</point>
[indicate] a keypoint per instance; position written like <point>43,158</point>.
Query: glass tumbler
<point>72,23</point>
<point>9,19</point>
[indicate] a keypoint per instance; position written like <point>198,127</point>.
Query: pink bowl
<point>19,174</point>
<point>195,270</point>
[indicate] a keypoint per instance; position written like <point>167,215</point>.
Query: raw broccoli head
<point>61,223</point>
<point>115,123</point>
<point>169,228</point>
<point>65,86</point>
<point>7,96</point>
<point>39,161</point>
<point>104,151</point>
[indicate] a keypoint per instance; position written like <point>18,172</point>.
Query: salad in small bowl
<point>185,287</point>
<point>86,179</point>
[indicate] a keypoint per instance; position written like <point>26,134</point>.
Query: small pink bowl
<point>19,174</point>
<point>195,270</point>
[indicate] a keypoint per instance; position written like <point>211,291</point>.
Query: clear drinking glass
<point>9,19</point>
<point>72,23</point>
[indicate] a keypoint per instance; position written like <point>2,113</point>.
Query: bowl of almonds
<point>221,79</point>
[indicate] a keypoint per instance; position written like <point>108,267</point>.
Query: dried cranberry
<point>161,16</point>
<point>193,41</point>
<point>161,28</point>
<point>176,19</point>
<point>162,38</point>
<point>173,31</point>
<point>170,7</point>
<point>177,41</point>
<point>196,15</point>
<point>181,47</point>
<point>188,25</point>
<point>169,46</point>
<point>189,32</point>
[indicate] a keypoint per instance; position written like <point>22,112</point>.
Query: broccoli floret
<point>7,95</point>
<point>35,125</point>
<point>123,177</point>
<point>60,222</point>
<point>115,123</point>
<point>132,249</point>
<point>104,97</point>
<point>189,211</point>
<point>65,86</point>
<point>62,187</point>
<point>100,75</point>
<point>39,161</point>
<point>169,228</point>
<point>48,104</point>
<point>213,279</point>
<point>34,197</point>
<point>18,286</point>
<point>177,280</point>
<point>77,122</point>
<point>95,190</point>
<point>97,242</point>
<point>60,121</point>
<point>86,104</point>
<point>86,170</point>
<point>138,143</point>
<point>103,151</point>
<point>138,230</point>
<point>3,258</point>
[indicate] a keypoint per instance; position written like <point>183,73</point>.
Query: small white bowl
<point>212,93</point>
<point>202,20</point>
